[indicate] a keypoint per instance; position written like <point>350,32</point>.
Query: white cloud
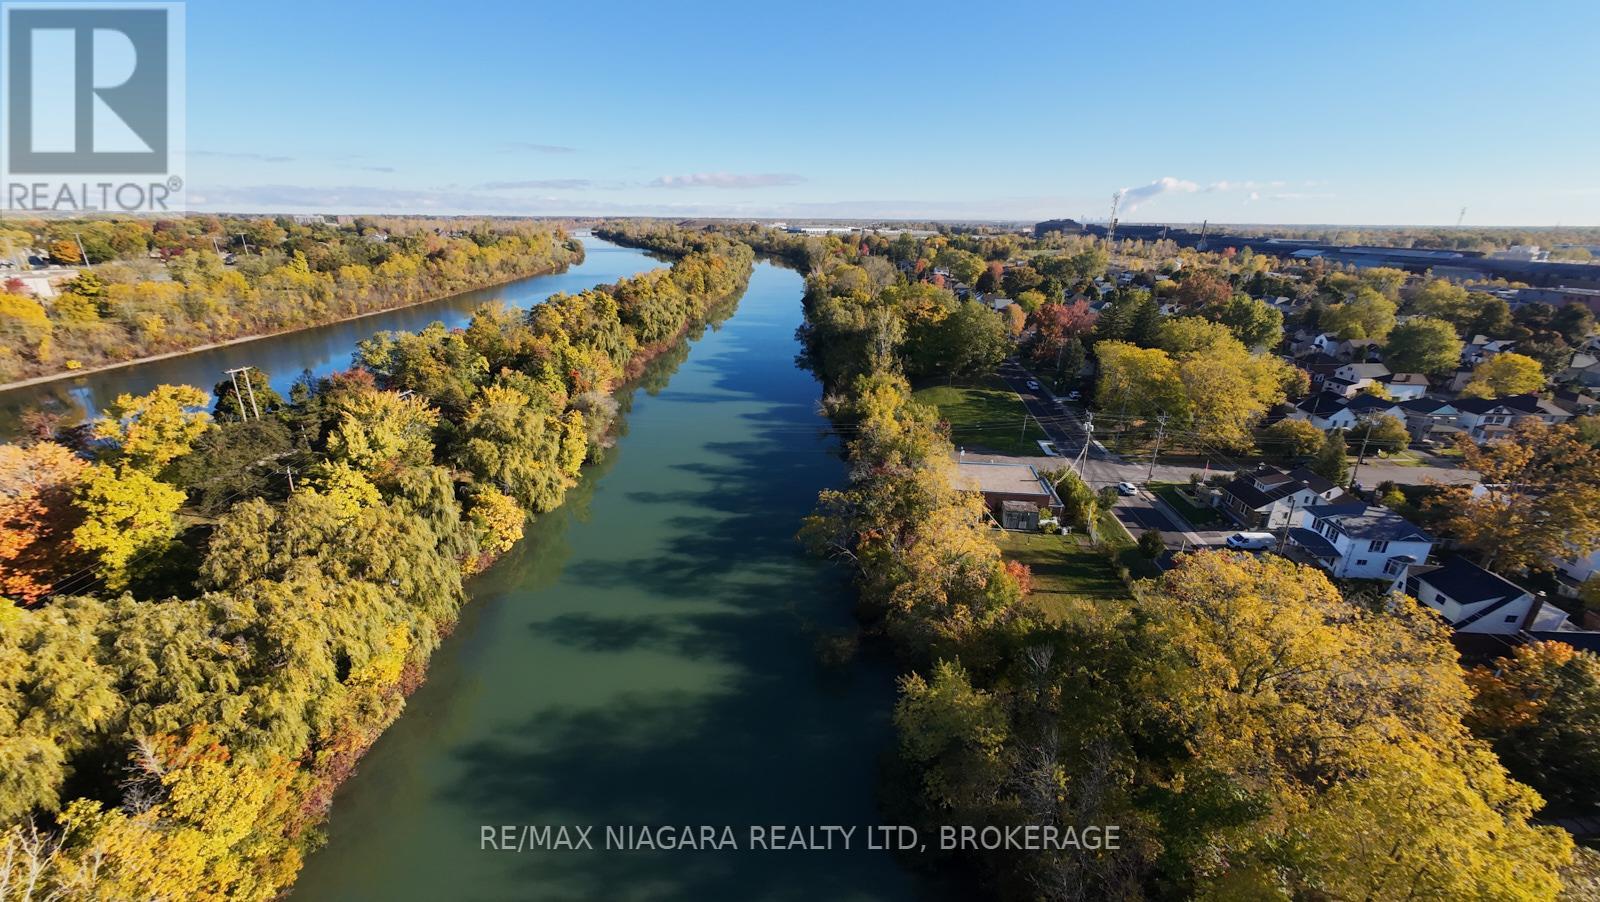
<point>726,180</point>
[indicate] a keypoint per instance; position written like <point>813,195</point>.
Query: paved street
<point>1063,421</point>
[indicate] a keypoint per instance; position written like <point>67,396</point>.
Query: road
<point>1063,422</point>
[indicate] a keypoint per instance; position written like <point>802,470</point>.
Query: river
<point>646,656</point>
<point>323,349</point>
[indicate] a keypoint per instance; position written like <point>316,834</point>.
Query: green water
<point>645,657</point>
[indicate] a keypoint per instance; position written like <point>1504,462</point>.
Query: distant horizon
<point>954,221</point>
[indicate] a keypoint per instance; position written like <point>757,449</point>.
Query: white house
<point>1267,497</point>
<point>1486,418</point>
<point>1359,541</point>
<point>1470,598</point>
<point>1361,375</point>
<point>1574,572</point>
<point>1405,386</point>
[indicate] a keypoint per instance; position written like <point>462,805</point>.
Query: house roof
<point>1465,582</point>
<point>1524,403</point>
<point>1275,485</point>
<point>1369,403</point>
<point>1407,379</point>
<point>1313,541</point>
<point>1583,640</point>
<point>1322,404</point>
<point>1363,521</point>
<point>1367,370</point>
<point>1007,479</point>
<point>1312,481</point>
<point>1428,406</point>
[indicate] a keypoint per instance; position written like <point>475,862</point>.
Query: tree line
<point>221,611</point>
<point>162,287</point>
<point>1254,733</point>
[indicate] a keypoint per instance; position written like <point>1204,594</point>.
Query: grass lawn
<point>1404,459</point>
<point>1200,517</point>
<point>986,416</point>
<point>1067,571</point>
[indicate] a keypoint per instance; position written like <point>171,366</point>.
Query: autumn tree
<point>1291,439</point>
<point>1054,326</point>
<point>1250,661</point>
<point>1503,375</point>
<point>37,517</point>
<point>1537,503</point>
<point>1540,709</point>
<point>149,431</point>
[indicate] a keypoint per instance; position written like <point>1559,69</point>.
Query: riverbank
<point>260,336</point>
<point>646,657</point>
<point>369,550</point>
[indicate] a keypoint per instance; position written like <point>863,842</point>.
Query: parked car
<point>1033,385</point>
<point>1127,488</point>
<point>1251,541</point>
<point>1074,395</point>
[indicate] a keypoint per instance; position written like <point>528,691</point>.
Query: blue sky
<point>1346,112</point>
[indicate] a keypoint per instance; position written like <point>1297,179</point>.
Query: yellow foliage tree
<point>1503,375</point>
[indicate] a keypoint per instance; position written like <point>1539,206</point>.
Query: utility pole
<point>1161,430</point>
<point>1024,433</point>
<point>289,472</point>
<point>1284,536</point>
<point>1083,453</point>
<point>249,389</point>
<point>1362,456</point>
<point>82,254</point>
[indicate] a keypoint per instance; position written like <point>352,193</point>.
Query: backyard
<point>1199,516</point>
<point>1067,571</point>
<point>984,416</point>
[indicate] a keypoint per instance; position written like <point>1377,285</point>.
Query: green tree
<point>1383,432</point>
<point>1291,439</point>
<point>1423,345</point>
<point>1330,462</point>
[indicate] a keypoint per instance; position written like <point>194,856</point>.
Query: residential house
<point>1487,418</point>
<point>1357,349</point>
<point>1267,497</point>
<point>1359,541</point>
<point>1482,347</point>
<point>1470,598</point>
<point>1583,369</point>
<point>1405,386</point>
<point>1328,410</point>
<point>1575,402</point>
<point>1431,420</point>
<point>1574,572</point>
<point>1360,375</point>
<point>1000,483</point>
<point>1318,366</point>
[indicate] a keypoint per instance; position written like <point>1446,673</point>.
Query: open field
<point>986,416</point>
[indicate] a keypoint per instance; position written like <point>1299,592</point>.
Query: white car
<point>1127,488</point>
<point>1074,395</point>
<point>1033,385</point>
<point>1250,541</point>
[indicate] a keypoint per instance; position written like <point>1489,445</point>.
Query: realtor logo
<point>93,96</point>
